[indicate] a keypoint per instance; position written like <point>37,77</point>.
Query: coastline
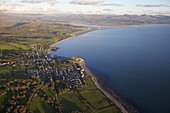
<point>109,93</point>
<point>129,108</point>
<point>75,34</point>
<point>90,29</point>
<point>99,83</point>
<point>127,25</point>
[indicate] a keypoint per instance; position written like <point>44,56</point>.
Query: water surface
<point>135,61</point>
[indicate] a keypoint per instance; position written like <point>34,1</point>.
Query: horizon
<point>100,7</point>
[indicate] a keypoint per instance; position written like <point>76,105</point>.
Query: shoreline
<point>90,29</point>
<point>129,107</point>
<point>109,93</point>
<point>128,25</point>
<point>120,102</point>
<point>75,34</point>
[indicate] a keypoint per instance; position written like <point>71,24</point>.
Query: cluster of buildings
<point>44,67</point>
<point>71,75</point>
<point>41,66</point>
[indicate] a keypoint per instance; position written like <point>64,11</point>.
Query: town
<point>40,70</point>
<point>31,81</point>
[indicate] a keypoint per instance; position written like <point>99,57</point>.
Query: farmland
<point>32,81</point>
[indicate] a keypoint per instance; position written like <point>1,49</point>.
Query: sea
<point>133,60</point>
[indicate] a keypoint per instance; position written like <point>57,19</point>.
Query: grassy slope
<point>44,33</point>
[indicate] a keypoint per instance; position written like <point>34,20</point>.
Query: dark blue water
<point>135,60</point>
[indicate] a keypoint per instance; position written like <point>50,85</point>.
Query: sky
<point>119,7</point>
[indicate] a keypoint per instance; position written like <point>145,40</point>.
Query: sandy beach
<point>89,29</point>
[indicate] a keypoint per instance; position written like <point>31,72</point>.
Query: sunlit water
<point>135,62</point>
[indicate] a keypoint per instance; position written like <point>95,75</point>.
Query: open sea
<point>134,60</point>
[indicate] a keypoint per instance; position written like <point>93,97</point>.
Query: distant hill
<point>118,19</point>
<point>9,19</point>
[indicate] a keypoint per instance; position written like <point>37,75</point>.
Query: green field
<point>110,110</point>
<point>73,102</point>
<point>37,106</point>
<point>48,91</point>
<point>16,43</point>
<point>5,46</point>
<point>90,85</point>
<point>2,98</point>
<point>12,46</point>
<point>43,33</point>
<point>6,72</point>
<point>96,98</point>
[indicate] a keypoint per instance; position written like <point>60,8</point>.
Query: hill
<point>8,19</point>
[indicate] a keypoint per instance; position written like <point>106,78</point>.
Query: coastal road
<point>117,103</point>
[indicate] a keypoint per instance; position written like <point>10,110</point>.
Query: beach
<point>89,29</point>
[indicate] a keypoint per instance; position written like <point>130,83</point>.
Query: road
<point>117,103</point>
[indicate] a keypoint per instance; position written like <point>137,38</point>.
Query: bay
<point>135,60</point>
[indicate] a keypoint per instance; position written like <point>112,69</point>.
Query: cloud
<point>13,8</point>
<point>94,3</point>
<point>4,1</point>
<point>21,8</point>
<point>152,5</point>
<point>40,1</point>
<point>108,10</point>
